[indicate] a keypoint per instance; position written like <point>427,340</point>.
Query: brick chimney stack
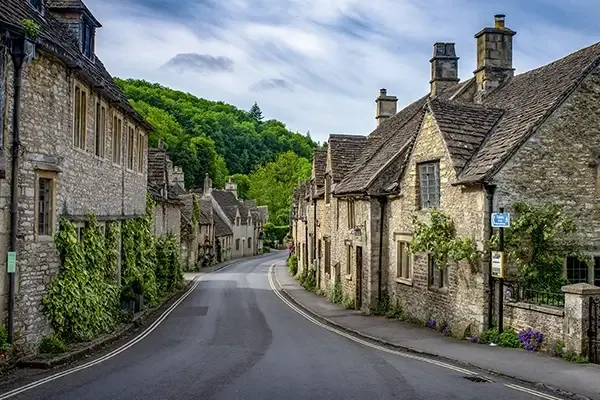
<point>386,106</point>
<point>444,67</point>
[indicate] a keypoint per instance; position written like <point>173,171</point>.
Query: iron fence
<point>515,292</point>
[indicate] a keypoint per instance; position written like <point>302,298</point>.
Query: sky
<point>318,65</point>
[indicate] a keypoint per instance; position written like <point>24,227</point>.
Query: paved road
<point>233,338</point>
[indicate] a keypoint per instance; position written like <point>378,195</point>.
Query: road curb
<point>411,350</point>
<point>41,362</point>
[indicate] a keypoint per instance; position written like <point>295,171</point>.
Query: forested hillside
<point>206,136</point>
<point>265,158</point>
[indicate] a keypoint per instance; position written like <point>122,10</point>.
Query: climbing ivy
<point>81,303</point>
<point>436,235</point>
<point>32,29</point>
<point>196,211</point>
<point>112,244</point>
<point>168,272</point>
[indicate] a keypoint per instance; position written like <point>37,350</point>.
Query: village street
<point>234,338</point>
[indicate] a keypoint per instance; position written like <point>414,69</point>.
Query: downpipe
<point>382,203</point>
<point>490,189</point>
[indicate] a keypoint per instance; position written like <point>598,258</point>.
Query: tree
<point>255,112</point>
<point>308,134</point>
<point>273,184</point>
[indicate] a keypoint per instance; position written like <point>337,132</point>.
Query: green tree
<point>255,112</point>
<point>273,184</point>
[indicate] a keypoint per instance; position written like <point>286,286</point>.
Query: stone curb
<point>408,349</point>
<point>38,362</point>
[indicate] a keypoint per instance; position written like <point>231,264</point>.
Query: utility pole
<point>501,280</point>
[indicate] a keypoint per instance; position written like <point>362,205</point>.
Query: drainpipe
<point>306,243</point>
<point>490,189</point>
<point>382,202</point>
<point>315,255</point>
<point>18,58</point>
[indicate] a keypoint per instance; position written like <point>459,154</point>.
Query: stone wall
<point>159,220</point>
<point>561,161</point>
<point>462,301</point>
<point>84,183</point>
<point>546,319</point>
<point>173,219</point>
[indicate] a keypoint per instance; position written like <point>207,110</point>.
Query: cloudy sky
<point>319,64</point>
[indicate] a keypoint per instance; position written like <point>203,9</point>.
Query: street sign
<point>500,220</point>
<point>497,264</point>
<point>11,265</point>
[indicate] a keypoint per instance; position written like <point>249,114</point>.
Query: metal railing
<point>541,297</point>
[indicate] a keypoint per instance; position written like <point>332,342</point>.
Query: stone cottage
<point>463,148</point>
<point>70,143</point>
<point>165,192</point>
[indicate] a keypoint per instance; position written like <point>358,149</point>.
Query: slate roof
<point>528,99</point>
<point>264,213</point>
<point>319,166</point>
<point>56,39</point>
<point>158,179</point>
<point>71,5</point>
<point>206,212</point>
<point>479,137</point>
<point>221,228</point>
<point>344,151</point>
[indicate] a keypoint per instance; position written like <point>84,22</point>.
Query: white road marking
<point>117,351</point>
<point>384,349</point>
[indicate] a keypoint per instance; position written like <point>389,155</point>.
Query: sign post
<point>500,220</point>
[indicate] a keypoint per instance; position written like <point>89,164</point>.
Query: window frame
<point>237,244</point>
<point>426,184</point>
<point>100,129</point>
<point>349,254</point>
<point>437,279</point>
<point>327,188</point>
<point>117,139</point>
<point>87,46</point>
<point>141,148</point>
<point>80,116</point>
<point>130,145</point>
<point>404,260</point>
<point>351,214</point>
<point>50,176</point>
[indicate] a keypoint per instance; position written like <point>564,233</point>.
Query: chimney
<point>386,106</point>
<point>231,186</point>
<point>494,57</point>
<point>161,144</point>
<point>207,185</point>
<point>444,67</point>
<point>178,176</point>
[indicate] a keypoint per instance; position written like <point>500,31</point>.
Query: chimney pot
<point>383,92</point>
<point>499,21</point>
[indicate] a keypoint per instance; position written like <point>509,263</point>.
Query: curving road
<point>233,338</point>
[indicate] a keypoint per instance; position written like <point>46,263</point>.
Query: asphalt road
<point>233,338</point>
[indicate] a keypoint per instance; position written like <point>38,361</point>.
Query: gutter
<point>490,189</point>
<point>18,58</point>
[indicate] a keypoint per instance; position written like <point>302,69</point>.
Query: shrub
<point>531,339</point>
<point>509,338</point>
<point>292,264</point>
<point>490,335</point>
<point>310,280</point>
<point>4,345</point>
<point>335,294</point>
<point>52,344</point>
<point>348,302</point>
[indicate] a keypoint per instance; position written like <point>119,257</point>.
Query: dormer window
<point>38,5</point>
<point>87,38</point>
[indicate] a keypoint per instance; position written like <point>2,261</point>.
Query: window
<point>37,4</point>
<point>577,271</point>
<point>100,129</point>
<point>351,215</point>
<point>249,243</point>
<point>429,184</point>
<point>80,227</point>
<point>438,278</point>
<point>237,221</point>
<point>327,188</point>
<point>141,149</point>
<point>327,256</point>
<point>237,244</point>
<point>87,39</point>
<point>117,140</point>
<point>80,118</point>
<point>403,260</point>
<point>130,139</point>
<point>348,259</point>
<point>44,203</point>
<point>597,271</point>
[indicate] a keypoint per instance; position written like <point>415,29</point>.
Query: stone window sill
<point>45,238</point>
<point>348,277</point>
<point>441,290</point>
<point>404,281</point>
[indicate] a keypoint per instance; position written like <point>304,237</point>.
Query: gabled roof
<point>221,228</point>
<point>68,5</point>
<point>264,213</point>
<point>528,99</point>
<point>319,166</point>
<point>463,127</point>
<point>344,151</point>
<point>158,178</point>
<point>206,212</point>
<point>56,39</point>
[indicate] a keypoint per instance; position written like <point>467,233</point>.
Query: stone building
<point>166,192</point>
<point>237,214</point>
<point>70,145</point>
<point>466,148</point>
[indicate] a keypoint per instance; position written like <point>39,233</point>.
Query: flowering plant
<point>531,339</point>
<point>431,324</point>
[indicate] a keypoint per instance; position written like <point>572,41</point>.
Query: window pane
<point>76,122</point>
<point>577,271</point>
<point>44,206</point>
<point>597,271</point>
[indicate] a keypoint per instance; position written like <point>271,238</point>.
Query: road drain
<point>477,379</point>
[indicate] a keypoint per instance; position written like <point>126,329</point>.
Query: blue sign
<point>500,220</point>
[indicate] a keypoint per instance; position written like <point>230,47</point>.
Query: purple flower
<point>446,330</point>
<point>531,339</point>
<point>431,324</point>
<point>474,339</point>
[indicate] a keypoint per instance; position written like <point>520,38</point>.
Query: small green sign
<point>12,262</point>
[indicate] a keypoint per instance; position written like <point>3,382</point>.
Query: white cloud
<point>336,54</point>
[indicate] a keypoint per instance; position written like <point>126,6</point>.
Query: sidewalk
<point>535,368</point>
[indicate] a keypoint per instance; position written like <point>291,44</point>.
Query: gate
<point>593,341</point>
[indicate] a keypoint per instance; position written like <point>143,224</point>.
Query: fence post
<point>576,321</point>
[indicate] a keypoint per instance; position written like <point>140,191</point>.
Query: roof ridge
<point>555,105</point>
